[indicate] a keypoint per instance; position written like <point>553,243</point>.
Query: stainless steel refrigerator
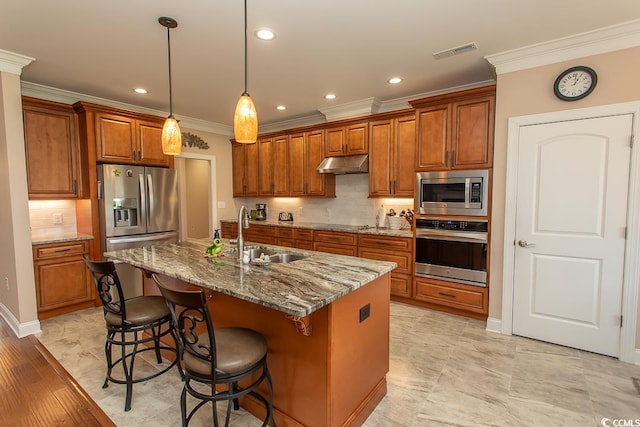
<point>138,207</point>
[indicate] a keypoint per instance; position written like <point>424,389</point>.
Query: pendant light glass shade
<point>245,120</point>
<point>171,137</point>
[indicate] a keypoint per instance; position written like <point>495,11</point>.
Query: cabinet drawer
<point>267,230</point>
<point>306,245</point>
<point>334,248</point>
<point>229,230</point>
<point>302,234</point>
<point>285,232</point>
<point>403,259</point>
<point>58,250</point>
<point>385,242</point>
<point>459,296</point>
<point>283,241</point>
<point>336,237</point>
<point>401,284</point>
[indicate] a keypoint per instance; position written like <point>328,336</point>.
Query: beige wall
<point>197,198</point>
<point>16,262</point>
<point>220,147</point>
<point>530,92</point>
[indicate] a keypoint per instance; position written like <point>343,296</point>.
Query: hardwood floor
<point>35,390</point>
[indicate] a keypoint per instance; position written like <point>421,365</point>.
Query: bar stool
<point>220,356</point>
<point>131,324</point>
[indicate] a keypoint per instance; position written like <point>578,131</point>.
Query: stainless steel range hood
<point>344,165</point>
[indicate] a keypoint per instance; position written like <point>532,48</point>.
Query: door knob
<point>525,244</point>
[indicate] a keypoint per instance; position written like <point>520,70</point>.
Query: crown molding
<point>607,39</point>
<point>13,62</point>
<point>292,123</point>
<point>362,107</point>
<point>68,97</point>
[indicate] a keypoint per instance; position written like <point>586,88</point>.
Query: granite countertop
<point>334,227</point>
<point>297,288</point>
<point>60,238</point>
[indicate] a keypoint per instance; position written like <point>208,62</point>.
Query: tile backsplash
<point>52,217</point>
<point>351,206</point>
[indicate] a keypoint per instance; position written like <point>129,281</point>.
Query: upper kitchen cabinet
<point>52,150</point>
<point>245,169</point>
<point>124,137</point>
<point>392,145</point>
<point>455,131</point>
<point>273,168</point>
<point>306,152</point>
<point>347,140</point>
<point>265,167</point>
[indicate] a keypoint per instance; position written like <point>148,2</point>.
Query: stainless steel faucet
<point>243,222</point>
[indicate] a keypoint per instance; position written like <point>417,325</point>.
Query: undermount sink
<point>256,252</point>
<point>284,258</point>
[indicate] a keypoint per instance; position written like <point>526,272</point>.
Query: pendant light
<point>245,119</point>
<point>171,136</point>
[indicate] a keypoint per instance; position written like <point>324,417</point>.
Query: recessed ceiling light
<point>281,108</point>
<point>394,80</point>
<point>265,34</point>
<point>330,96</point>
<point>140,90</point>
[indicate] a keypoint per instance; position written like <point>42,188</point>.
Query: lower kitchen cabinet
<point>63,282</point>
<point>258,233</point>
<point>335,242</point>
<point>453,297</point>
<point>229,230</point>
<point>393,249</point>
<point>285,237</point>
<point>303,239</point>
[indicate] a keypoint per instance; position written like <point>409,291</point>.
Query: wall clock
<point>575,83</point>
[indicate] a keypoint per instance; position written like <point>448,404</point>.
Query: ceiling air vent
<point>455,51</point>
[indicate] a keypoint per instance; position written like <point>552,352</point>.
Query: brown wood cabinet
<point>393,249</point>
<point>258,233</point>
<point>306,152</point>
<point>347,140</point>
<point>121,136</point>
<point>273,166</point>
<point>454,297</point>
<point>335,242</point>
<point>245,169</point>
<point>455,131</point>
<point>228,230</point>
<point>52,150</point>
<point>63,282</point>
<point>392,157</point>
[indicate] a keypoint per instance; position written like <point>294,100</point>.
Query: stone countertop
<point>60,238</point>
<point>297,288</point>
<point>405,232</point>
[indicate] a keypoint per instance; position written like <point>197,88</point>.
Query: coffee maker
<point>261,211</point>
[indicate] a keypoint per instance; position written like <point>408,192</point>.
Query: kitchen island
<point>325,318</point>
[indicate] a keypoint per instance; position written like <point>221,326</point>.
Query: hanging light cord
<point>169,55</point>
<point>245,49</point>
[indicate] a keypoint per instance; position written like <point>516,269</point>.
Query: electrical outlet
<point>365,312</point>
<point>57,218</point>
<point>6,283</point>
<point>327,213</point>
<point>300,210</point>
<point>222,205</point>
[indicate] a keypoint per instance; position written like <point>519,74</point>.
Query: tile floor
<point>445,370</point>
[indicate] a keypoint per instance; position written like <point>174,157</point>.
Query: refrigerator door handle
<point>143,197</point>
<point>152,206</point>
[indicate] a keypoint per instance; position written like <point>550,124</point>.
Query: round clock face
<point>575,83</point>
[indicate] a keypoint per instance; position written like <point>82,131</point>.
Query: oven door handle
<point>457,237</point>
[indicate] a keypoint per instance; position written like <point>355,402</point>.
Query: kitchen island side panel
<point>334,376</point>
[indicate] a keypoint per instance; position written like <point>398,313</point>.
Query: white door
<point>570,232</point>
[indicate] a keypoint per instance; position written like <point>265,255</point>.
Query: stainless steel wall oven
<point>452,250</point>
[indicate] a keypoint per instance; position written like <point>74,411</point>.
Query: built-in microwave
<point>463,192</point>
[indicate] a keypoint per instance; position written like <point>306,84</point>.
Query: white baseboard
<point>637,358</point>
<point>494,325</point>
<point>19,329</point>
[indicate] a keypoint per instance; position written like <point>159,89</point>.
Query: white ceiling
<point>348,47</point>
